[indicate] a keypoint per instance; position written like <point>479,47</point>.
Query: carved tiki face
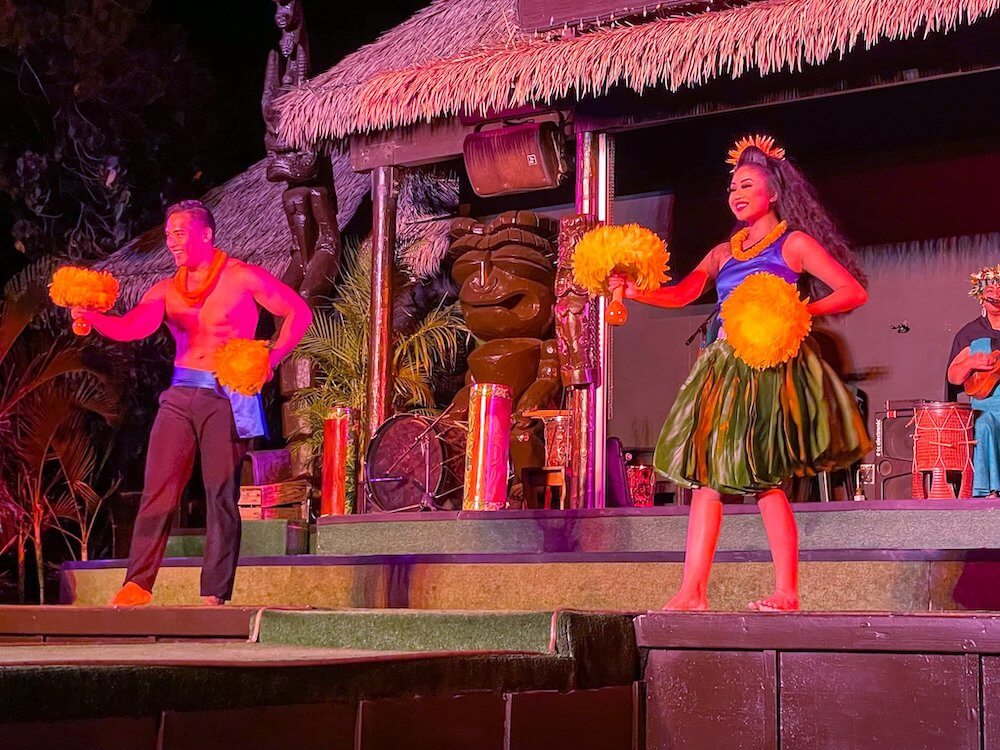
<point>287,14</point>
<point>506,283</point>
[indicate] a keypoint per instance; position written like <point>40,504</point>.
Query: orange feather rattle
<point>629,250</point>
<point>83,287</point>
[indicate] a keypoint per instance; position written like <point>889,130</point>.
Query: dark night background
<point>230,40</point>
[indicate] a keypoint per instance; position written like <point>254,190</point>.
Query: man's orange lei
<point>197,297</point>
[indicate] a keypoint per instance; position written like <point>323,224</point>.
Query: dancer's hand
<point>81,313</point>
<point>619,280</point>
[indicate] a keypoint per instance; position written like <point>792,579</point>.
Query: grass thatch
<point>468,56</point>
<point>251,225</point>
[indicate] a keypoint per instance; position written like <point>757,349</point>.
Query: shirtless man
<point>211,300</point>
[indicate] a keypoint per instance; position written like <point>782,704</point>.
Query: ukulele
<point>980,384</point>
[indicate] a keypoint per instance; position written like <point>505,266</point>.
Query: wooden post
<point>385,187</point>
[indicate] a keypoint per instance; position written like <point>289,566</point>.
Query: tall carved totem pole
<point>309,200</point>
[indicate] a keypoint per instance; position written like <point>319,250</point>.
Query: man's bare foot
<point>685,602</point>
<point>776,602</point>
<point>213,601</point>
<point>131,595</point>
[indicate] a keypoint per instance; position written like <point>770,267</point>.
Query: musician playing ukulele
<point>975,366</point>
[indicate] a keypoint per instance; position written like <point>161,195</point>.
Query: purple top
<point>769,260</point>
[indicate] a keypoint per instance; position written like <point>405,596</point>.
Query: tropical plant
<point>426,345</point>
<point>49,386</point>
<point>77,508</point>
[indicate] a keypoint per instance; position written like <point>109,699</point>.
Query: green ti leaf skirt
<point>739,430</point>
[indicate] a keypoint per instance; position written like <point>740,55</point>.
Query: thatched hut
<point>413,96</point>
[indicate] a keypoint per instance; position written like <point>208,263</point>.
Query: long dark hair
<point>798,204</point>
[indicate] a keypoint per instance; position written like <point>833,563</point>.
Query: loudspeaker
<point>516,158</point>
<point>893,454</point>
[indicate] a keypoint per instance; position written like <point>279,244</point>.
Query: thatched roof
<point>250,225</point>
<point>461,56</point>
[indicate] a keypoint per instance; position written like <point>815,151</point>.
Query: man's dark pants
<point>189,420</point>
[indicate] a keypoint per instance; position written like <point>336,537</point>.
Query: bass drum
<point>415,463</point>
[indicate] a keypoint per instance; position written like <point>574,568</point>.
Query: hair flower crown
<point>763,143</point>
<point>984,277</point>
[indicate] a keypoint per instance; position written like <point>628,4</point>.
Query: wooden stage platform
<point>388,679</point>
<point>308,679</point>
<point>534,629</point>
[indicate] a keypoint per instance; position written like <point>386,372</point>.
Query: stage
<point>903,555</point>
<point>525,630</point>
<point>267,678</point>
<point>316,679</point>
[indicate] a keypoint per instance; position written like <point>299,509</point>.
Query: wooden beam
<point>409,147</point>
<point>385,190</point>
<point>428,143</point>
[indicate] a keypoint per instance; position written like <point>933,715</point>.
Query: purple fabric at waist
<point>248,411</point>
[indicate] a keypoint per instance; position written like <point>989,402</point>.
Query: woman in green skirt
<point>746,427</point>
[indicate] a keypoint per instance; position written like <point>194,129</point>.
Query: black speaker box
<point>516,158</point>
<point>893,456</point>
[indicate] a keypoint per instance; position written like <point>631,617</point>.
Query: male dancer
<point>212,299</point>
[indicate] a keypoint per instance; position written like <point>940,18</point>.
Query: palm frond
<point>74,451</point>
<point>58,362</point>
<point>16,313</point>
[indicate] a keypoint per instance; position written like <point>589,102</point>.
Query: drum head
<point>406,455</point>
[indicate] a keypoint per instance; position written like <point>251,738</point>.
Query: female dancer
<point>736,429</point>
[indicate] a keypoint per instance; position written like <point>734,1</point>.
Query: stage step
<point>838,580</point>
<point>891,555</point>
<point>879,525</point>
<point>409,630</point>
<point>273,537</point>
<point>55,623</point>
<point>568,675</point>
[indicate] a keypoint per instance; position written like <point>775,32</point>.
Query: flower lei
<point>737,240</point>
<point>197,296</point>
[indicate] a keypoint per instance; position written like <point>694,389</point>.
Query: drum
<point>943,437</point>
<point>415,462</point>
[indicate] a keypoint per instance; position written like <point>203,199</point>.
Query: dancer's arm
<point>138,323</point>
<point>282,302</point>
<point>802,252</point>
<point>684,292</point>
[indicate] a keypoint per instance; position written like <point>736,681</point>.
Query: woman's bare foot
<point>685,602</point>
<point>213,601</point>
<point>776,602</point>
